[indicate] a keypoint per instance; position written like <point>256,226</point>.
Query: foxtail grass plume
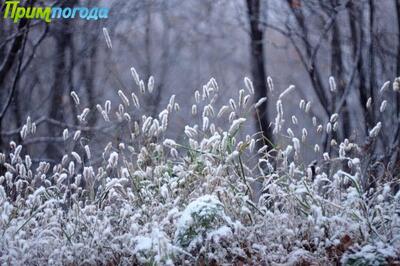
<point>107,37</point>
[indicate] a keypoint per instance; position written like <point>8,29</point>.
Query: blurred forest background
<point>184,43</point>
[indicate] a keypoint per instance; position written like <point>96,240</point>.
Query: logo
<point>16,12</point>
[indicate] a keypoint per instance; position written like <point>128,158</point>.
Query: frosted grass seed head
<point>369,103</point>
<point>279,117</point>
<point>174,153</point>
<point>113,160</point>
<point>396,85</point>
<point>334,118</point>
<point>232,116</point>
<point>71,168</point>
<point>65,134</point>
<point>252,145</point>
<point>314,121</point>
<point>197,96</point>
<point>241,98</point>
<point>206,123</point>
<point>135,76</point>
<point>270,83</point>
<point>83,115</point>
<point>99,108</point>
<point>333,143</point>
<point>127,117</point>
<point>375,131</point>
<point>29,123</point>
<point>235,125</point>
<point>107,38</point>
<point>335,126</point>
<point>64,159</point>
<point>88,153</point>
<point>33,130</point>
<point>190,132</point>
<point>150,84</point>
<point>107,106</point>
<point>292,168</point>
<point>296,144</point>
<point>304,135</point>
<point>287,91</point>
<point>172,100</point>
<point>105,116</point>
<point>384,87</point>
<point>294,120</point>
<point>75,97</point>
<point>260,102</point>
<point>332,84</point>
<point>77,157</point>
<point>123,97</point>
<point>135,100</point>
<point>24,132</point>
<point>224,109</point>
<point>215,84</point>
<point>232,104</point>
<point>320,128</point>
<point>142,87</point>
<point>316,148</point>
<point>328,127</point>
<point>290,132</point>
<point>177,107</point>
<point>302,104</point>
<point>383,106</point>
<point>77,135</point>
<point>194,109</point>
<point>249,85</point>
<point>246,101</point>
<point>169,143</point>
<point>308,107</point>
<point>121,146</point>
<point>147,124</point>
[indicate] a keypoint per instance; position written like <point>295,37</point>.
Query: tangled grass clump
<point>151,200</point>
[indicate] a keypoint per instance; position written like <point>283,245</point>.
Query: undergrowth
<point>219,196</point>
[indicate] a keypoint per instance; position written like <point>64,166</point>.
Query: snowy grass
<point>151,200</point>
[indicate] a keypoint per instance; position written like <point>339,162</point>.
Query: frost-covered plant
<point>200,218</point>
<point>217,195</point>
<point>369,254</point>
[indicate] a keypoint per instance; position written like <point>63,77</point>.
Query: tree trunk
<point>366,64</point>
<point>258,67</point>
<point>398,60</point>
<point>61,80</point>
<point>337,71</point>
<point>7,66</point>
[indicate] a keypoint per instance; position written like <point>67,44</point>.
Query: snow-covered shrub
<point>370,255</point>
<point>203,215</point>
